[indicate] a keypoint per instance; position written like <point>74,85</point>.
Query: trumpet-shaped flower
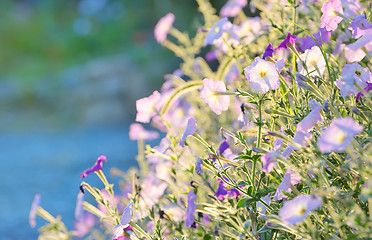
<point>352,75</point>
<point>299,208</point>
<point>290,39</point>
<point>290,178</point>
<point>354,52</point>
<point>137,132</point>
<point>223,190</point>
<point>359,26</point>
<point>190,209</point>
<point>35,205</point>
<point>125,220</point>
<point>269,161</point>
<point>216,102</point>
<point>269,51</point>
<point>96,166</point>
<point>190,130</point>
<point>163,27</point>
<point>262,75</point>
<point>232,8</point>
<point>338,135</point>
<point>147,107</point>
<point>315,63</point>
<point>198,166</point>
<point>217,31</point>
<point>330,19</point>
<point>351,8</point>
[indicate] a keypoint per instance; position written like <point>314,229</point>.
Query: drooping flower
<point>198,166</point>
<point>163,27</point>
<point>217,31</point>
<point>32,215</point>
<point>96,166</point>
<point>352,75</point>
<point>322,36</point>
<point>359,26</point>
<point>137,132</point>
<point>299,208</point>
<point>290,178</point>
<point>338,135</point>
<point>354,51</point>
<point>315,63</point>
<point>269,51</point>
<point>262,75</point>
<point>216,102</point>
<point>147,107</point>
<point>190,209</point>
<point>367,89</point>
<point>190,130</point>
<point>330,19</point>
<point>290,39</point>
<point>125,220</point>
<point>232,8</point>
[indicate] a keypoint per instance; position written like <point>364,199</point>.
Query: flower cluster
<point>265,132</point>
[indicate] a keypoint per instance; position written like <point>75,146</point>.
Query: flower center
<point>340,137</point>
<point>358,73</point>
<point>302,211</point>
<point>262,73</point>
<point>217,29</point>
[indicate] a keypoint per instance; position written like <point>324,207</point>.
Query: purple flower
<point>190,130</point>
<point>359,26</point>
<point>232,8</point>
<point>147,107</point>
<point>97,166</point>
<point>190,209</point>
<point>268,161</point>
<point>163,27</point>
<point>262,75</point>
<point>224,145</point>
<point>290,178</point>
<point>330,19</point>
<point>269,51</point>
<point>290,39</point>
<point>338,135</point>
<point>222,191</point>
<point>217,31</point>
<point>352,75</point>
<point>298,209</point>
<point>33,211</point>
<point>198,166</point>
<point>83,225</point>
<point>354,51</point>
<point>137,132</point>
<point>125,220</point>
<point>261,208</point>
<point>352,7</point>
<point>217,103</point>
<point>322,36</point>
<point>367,89</point>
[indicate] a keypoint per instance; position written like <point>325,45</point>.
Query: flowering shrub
<point>266,132</point>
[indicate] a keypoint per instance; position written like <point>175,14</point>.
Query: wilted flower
<point>298,209</point>
<point>314,61</point>
<point>190,209</point>
<point>125,220</point>
<point>190,130</point>
<point>216,102</point>
<point>290,178</point>
<point>163,27</point>
<point>262,75</point>
<point>330,19</point>
<point>147,107</point>
<point>232,8</point>
<point>338,135</point>
<point>137,132</point>
<point>352,75</point>
<point>32,215</point>
<point>96,166</point>
<point>359,26</point>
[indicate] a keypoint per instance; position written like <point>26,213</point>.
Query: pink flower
<point>262,75</point>
<point>137,132</point>
<point>147,107</point>
<point>217,103</point>
<point>163,27</point>
<point>232,8</point>
<point>96,166</point>
<point>330,19</point>
<point>359,26</point>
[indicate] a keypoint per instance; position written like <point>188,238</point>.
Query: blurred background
<point>70,72</point>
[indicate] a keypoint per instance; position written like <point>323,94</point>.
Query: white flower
<point>314,61</point>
